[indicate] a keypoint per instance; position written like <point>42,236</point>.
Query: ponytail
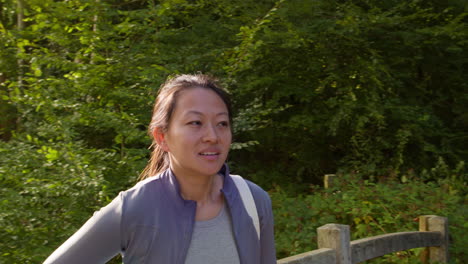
<point>158,162</point>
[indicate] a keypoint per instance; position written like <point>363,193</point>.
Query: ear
<point>160,139</point>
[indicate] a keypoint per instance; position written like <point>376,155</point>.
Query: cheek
<point>187,138</point>
<point>228,137</point>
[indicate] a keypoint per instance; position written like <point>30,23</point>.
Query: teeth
<point>208,153</point>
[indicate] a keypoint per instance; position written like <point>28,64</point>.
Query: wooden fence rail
<point>335,246</point>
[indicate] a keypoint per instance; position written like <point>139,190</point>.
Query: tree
<point>359,86</point>
<point>374,88</point>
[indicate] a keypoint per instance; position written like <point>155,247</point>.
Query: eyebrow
<point>201,114</point>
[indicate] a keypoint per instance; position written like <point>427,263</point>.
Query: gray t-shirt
<point>213,241</point>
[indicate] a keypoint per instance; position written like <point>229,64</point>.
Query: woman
<point>187,208</point>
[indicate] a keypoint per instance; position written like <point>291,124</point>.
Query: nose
<point>210,134</point>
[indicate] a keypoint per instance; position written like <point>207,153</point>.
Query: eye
<point>195,123</point>
<point>224,124</point>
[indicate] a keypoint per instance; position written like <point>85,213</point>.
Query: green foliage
<point>49,190</point>
<point>369,209</point>
<point>45,190</point>
<point>370,87</point>
<point>375,89</point>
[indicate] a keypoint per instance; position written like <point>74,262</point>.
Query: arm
<point>267,237</point>
<point>97,241</point>
<point>265,214</point>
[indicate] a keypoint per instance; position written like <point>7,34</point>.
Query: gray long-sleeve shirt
<point>152,223</point>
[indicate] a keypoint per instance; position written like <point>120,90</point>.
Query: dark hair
<point>164,107</point>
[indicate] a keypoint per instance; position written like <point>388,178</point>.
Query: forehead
<point>199,100</point>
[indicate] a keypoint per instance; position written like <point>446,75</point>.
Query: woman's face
<point>199,134</point>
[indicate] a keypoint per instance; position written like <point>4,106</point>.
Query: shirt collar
<point>173,186</point>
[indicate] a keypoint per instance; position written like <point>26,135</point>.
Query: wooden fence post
<point>336,237</point>
<point>439,224</point>
<point>329,180</point>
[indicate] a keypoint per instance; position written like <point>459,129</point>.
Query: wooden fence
<point>335,246</point>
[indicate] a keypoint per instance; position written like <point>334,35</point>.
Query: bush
<point>48,190</point>
<point>369,209</point>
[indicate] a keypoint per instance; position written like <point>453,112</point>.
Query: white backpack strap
<point>248,201</point>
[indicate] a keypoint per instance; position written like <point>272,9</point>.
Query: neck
<point>202,189</point>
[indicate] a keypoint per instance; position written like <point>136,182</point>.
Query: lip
<point>210,150</point>
<point>210,154</point>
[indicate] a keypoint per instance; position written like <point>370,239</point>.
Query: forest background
<point>374,91</point>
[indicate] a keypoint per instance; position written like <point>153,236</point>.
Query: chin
<point>212,170</point>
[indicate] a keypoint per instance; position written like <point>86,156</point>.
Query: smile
<point>209,153</point>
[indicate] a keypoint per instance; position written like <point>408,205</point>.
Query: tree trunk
<point>20,27</point>
<point>95,29</point>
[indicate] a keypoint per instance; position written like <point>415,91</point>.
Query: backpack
<point>248,201</point>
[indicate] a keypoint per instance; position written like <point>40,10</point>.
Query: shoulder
<point>261,197</point>
<point>257,191</point>
<point>142,189</point>
<point>254,188</point>
<point>141,199</point>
